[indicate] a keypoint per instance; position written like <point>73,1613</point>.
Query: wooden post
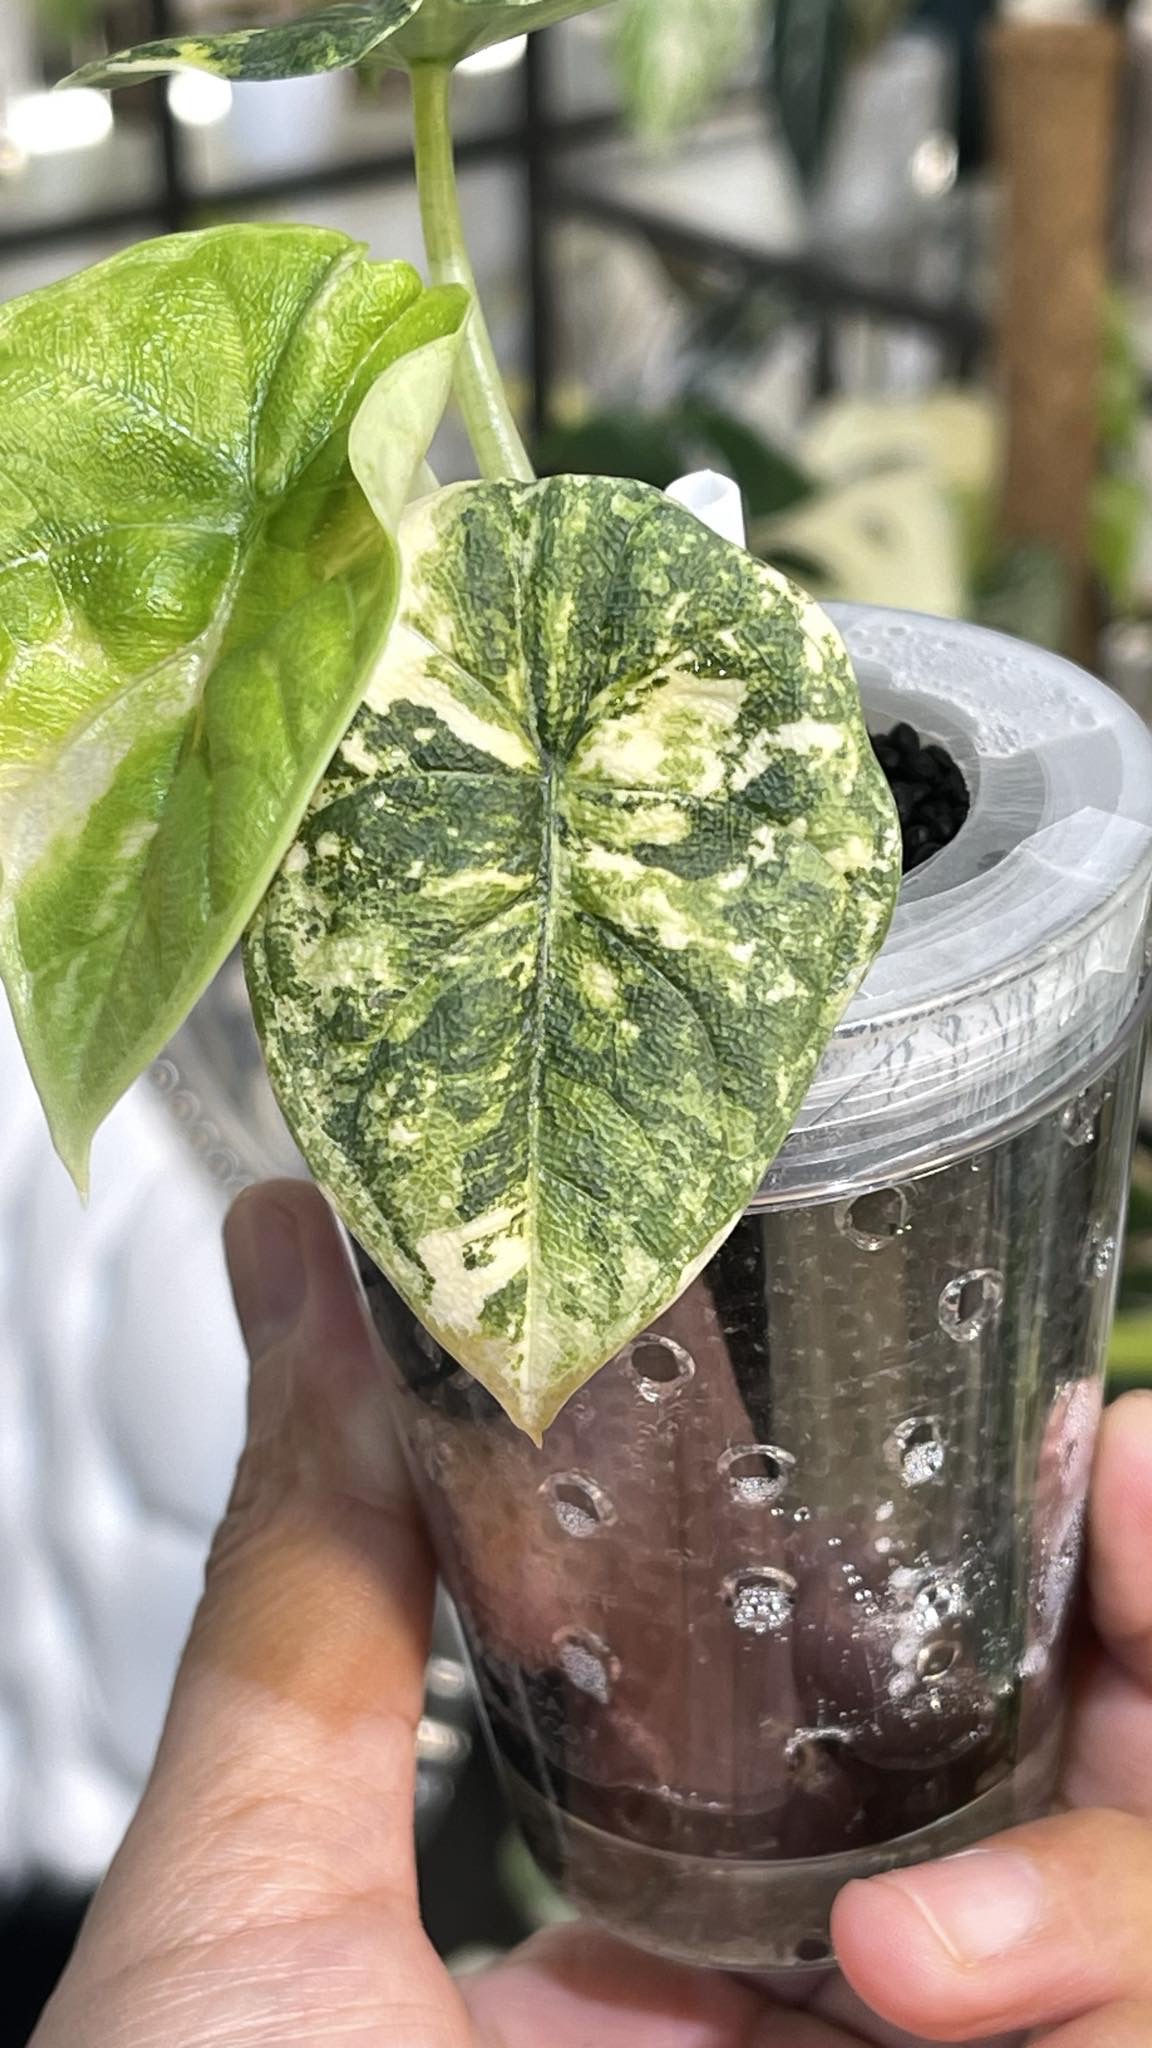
<point>1054,96</point>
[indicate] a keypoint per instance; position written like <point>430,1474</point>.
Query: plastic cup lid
<point>1017,952</point>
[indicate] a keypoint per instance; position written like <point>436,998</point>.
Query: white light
<point>198,100</point>
<point>498,57</point>
<point>935,164</point>
<point>51,123</point>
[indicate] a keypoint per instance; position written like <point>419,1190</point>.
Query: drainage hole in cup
<point>761,1599</point>
<point>581,1507</point>
<point>659,1366</point>
<point>936,1660</point>
<point>969,1303</point>
<point>814,1948</point>
<point>916,1450</point>
<point>875,1219</point>
<point>587,1663</point>
<point>810,1753</point>
<point>757,1474</point>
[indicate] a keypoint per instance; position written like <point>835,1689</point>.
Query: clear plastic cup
<point>783,1599</point>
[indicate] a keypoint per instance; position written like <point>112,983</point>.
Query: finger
<point>1122,2026</point>
<point>285,1779</point>
<point>1038,1927</point>
<point>1108,1754</point>
<point>1120,1536</point>
<point>576,1985</point>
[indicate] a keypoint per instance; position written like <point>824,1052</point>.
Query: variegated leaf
<point>402,32</point>
<point>192,591</point>
<point>547,972</point>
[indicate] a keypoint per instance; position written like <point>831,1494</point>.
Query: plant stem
<point>480,391</point>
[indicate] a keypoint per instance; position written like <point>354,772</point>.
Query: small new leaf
<point>545,977</point>
<point>400,32</point>
<point>193,589</point>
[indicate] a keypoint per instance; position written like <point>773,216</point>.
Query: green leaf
<point>447,30</point>
<point>651,448</point>
<point>811,44</point>
<point>400,32</point>
<point>1022,589</point>
<point>674,56</point>
<point>1119,519</point>
<point>548,971</point>
<point>655,448</point>
<point>192,590</point>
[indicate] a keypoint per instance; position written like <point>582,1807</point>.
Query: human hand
<point>265,1895</point>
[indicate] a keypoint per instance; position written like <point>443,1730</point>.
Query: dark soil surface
<point>930,793</point>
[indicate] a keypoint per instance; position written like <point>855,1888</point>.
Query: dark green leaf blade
<point>401,32</point>
<point>810,48</point>
<point>192,590</point>
<point>547,973</point>
<point>325,39</point>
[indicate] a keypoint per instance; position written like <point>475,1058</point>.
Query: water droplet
<point>935,1660</point>
<point>882,1546</point>
<point>1078,1120</point>
<point>916,1448</point>
<point>761,1599</point>
<point>659,1366</point>
<point>757,1474</point>
<point>587,1663</point>
<point>874,1219</point>
<point>802,1515</point>
<point>1100,1253</point>
<point>932,1597</point>
<point>968,1304</point>
<point>885,1510</point>
<point>581,1507</point>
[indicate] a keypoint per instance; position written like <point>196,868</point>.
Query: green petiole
<point>496,442</point>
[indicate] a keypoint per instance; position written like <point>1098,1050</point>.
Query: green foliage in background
<point>674,57</point>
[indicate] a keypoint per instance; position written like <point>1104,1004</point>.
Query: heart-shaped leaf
<point>545,977</point>
<point>192,590</point>
<point>402,32</point>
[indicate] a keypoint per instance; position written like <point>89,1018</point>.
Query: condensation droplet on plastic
<point>587,1663</point>
<point>761,1599</point>
<point>1078,1120</point>
<point>757,1474</point>
<point>660,1368</point>
<point>968,1304</point>
<point>581,1507</point>
<point>875,1219</point>
<point>916,1449</point>
<point>1099,1254</point>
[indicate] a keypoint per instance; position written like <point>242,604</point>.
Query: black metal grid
<point>536,143</point>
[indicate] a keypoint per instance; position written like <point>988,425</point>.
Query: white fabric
<point>121,1406</point>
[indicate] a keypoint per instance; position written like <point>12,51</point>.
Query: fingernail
<point>266,1264</point>
<point>978,1905</point>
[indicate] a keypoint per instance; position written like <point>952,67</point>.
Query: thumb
<point>284,1783</point>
